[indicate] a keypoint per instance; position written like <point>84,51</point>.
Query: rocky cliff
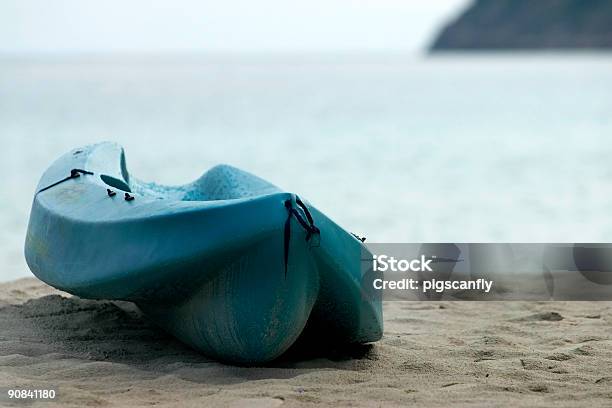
<point>529,24</point>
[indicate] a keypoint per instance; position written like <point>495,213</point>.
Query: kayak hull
<point>248,312</point>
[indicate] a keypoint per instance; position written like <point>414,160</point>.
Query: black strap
<point>307,224</point>
<point>305,209</point>
<point>74,173</point>
<point>362,239</point>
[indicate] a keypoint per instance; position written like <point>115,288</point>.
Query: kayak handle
<point>309,226</point>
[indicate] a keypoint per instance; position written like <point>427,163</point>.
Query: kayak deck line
<point>74,173</point>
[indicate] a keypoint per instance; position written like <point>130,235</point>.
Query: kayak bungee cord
<point>309,227</point>
<point>74,173</point>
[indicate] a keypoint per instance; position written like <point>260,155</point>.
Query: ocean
<point>397,148</point>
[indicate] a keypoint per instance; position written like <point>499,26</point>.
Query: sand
<point>105,354</point>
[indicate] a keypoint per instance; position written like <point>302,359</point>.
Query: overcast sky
<point>221,25</point>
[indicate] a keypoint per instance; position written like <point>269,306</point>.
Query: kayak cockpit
<point>221,182</point>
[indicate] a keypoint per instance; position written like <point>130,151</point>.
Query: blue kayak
<point>229,264</point>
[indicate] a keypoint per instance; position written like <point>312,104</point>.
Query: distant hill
<point>529,24</point>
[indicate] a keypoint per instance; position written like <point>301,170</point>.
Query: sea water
<point>472,148</point>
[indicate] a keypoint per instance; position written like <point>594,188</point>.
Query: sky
<point>30,26</point>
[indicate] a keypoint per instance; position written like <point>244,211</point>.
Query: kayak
<point>229,264</point>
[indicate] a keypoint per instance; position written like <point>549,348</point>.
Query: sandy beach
<point>105,354</point>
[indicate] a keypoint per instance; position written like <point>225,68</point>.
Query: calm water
<point>456,149</point>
